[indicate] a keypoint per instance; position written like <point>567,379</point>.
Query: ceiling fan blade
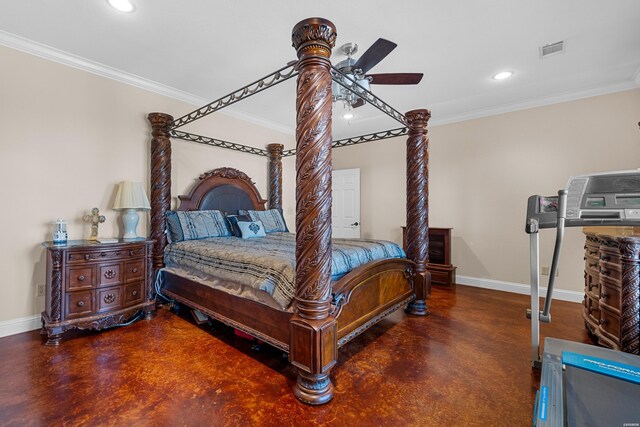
<point>376,53</point>
<point>359,103</point>
<point>395,78</point>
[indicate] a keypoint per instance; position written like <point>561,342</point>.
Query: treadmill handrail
<point>562,212</point>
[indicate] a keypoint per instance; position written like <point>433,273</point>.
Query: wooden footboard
<point>369,293</point>
<point>362,298</point>
<point>258,320</point>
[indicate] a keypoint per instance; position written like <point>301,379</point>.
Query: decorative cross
<point>94,219</point>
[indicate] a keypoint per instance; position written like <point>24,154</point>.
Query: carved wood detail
<point>214,178</point>
<point>160,182</point>
<point>630,297</point>
<point>228,173</point>
<point>313,331</point>
<point>150,275</point>
<point>275,175</point>
<point>418,207</point>
<point>56,284</point>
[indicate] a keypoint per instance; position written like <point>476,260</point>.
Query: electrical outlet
<point>545,270</point>
<point>40,290</point>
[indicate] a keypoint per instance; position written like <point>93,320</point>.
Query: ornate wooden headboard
<point>224,189</point>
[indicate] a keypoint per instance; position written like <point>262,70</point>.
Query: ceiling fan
<point>357,70</point>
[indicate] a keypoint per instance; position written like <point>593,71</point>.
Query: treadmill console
<point>542,212</point>
<point>611,198</point>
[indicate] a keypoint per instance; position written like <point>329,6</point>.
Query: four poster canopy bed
<point>309,309</point>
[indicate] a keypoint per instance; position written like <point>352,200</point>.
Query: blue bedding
<point>268,263</point>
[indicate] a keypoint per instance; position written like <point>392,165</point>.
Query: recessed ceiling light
<point>121,5</point>
<point>347,116</point>
<point>503,75</point>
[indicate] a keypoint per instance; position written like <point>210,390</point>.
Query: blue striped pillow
<point>272,220</point>
<point>194,225</point>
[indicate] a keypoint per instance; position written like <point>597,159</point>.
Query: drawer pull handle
<point>87,257</point>
<point>80,303</point>
<point>604,258</point>
<point>130,253</point>
<point>109,298</point>
<point>109,274</point>
<point>134,270</point>
<point>134,293</point>
<point>604,272</point>
<point>602,321</point>
<point>604,295</point>
<point>81,278</point>
<point>102,254</point>
<point>593,264</point>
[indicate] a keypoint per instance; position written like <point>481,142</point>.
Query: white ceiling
<point>200,50</point>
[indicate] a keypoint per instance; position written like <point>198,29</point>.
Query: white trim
<point>71,60</point>
<point>74,61</point>
<point>258,121</point>
<point>539,102</point>
<point>636,76</point>
<point>517,288</point>
<point>17,326</point>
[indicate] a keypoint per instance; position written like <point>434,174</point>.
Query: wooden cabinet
<point>94,285</point>
<point>612,287</point>
<point>439,265</point>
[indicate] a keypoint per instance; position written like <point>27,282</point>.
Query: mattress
<point>267,264</point>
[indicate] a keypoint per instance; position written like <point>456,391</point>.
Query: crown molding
<point>65,58</point>
<point>539,102</point>
<point>636,76</point>
<point>71,60</point>
<point>75,61</point>
<point>258,121</point>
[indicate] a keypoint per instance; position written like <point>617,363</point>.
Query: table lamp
<point>131,198</point>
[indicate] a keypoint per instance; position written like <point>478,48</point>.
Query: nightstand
<point>439,265</point>
<point>93,285</point>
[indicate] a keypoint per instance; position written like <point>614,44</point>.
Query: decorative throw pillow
<point>233,223</point>
<point>272,220</point>
<point>250,229</point>
<point>193,225</point>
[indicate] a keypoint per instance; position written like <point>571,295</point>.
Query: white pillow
<point>251,229</point>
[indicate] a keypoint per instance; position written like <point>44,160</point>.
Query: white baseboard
<point>30,323</point>
<point>518,288</point>
<point>17,326</point>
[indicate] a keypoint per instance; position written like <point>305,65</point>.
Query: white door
<point>346,203</point>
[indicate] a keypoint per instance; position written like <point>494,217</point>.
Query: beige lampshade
<point>131,195</point>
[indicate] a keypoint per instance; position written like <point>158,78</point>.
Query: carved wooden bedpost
<point>630,297</point>
<point>275,175</point>
<point>160,182</point>
<point>313,347</point>
<point>418,207</point>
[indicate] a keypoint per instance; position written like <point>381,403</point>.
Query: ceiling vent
<point>551,49</point>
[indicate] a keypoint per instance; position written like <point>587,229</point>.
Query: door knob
<point>356,224</point>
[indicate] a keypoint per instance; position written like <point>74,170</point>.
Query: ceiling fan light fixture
<point>121,5</point>
<point>502,75</point>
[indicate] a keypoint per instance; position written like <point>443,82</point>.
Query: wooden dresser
<point>94,285</point>
<point>442,271</point>
<point>612,287</point>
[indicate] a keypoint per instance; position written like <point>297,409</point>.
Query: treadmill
<point>602,199</point>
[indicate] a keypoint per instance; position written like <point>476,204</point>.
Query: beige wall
<point>483,170</point>
<point>68,137</point>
